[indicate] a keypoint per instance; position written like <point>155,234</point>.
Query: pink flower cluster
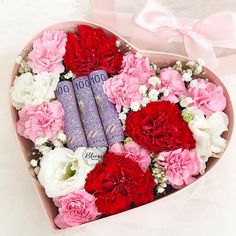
<point>207,96</point>
<point>180,166</point>
<point>75,208</point>
<point>48,52</point>
<point>122,89</point>
<point>172,81</point>
<point>134,152</point>
<point>44,120</point>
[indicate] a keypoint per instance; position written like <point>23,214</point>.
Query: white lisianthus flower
<point>29,89</point>
<point>207,133</point>
<point>63,171</point>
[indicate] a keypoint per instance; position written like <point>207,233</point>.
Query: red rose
<point>91,49</point>
<point>118,183</point>
<point>159,127</point>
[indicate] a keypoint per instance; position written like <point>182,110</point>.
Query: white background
<point>206,208</point>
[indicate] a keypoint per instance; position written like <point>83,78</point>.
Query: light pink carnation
<point>44,120</point>
<point>48,52</point>
<point>207,96</point>
<point>134,152</point>
<point>171,80</point>
<point>122,89</point>
<point>137,67</point>
<point>180,167</point>
<point>75,208</point>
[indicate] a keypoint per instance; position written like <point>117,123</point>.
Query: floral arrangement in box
<point>110,130</point>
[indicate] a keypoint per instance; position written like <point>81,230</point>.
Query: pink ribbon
<point>155,25</point>
<point>197,35</point>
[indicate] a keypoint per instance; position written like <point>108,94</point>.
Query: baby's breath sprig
<point>159,174</point>
<point>23,65</point>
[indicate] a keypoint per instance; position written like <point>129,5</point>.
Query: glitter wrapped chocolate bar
<point>89,113</point>
<point>73,125</point>
<point>107,111</point>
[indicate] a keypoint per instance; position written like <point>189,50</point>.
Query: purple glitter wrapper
<point>107,111</point>
<point>89,113</point>
<point>73,126</point>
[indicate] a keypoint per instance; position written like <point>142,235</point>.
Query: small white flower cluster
<point>44,146</point>
<point>123,115</point>
<point>185,101</point>
<point>69,75</point>
<point>149,95</point>
<point>192,68</point>
<point>24,67</point>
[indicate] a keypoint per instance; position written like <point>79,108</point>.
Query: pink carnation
<point>48,52</point>
<point>44,120</point>
<point>180,167</point>
<point>207,96</point>
<point>122,89</point>
<point>75,208</point>
<point>134,152</point>
<point>171,80</point>
<point>138,67</point>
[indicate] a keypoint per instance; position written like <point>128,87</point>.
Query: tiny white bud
<point>33,163</point>
<point>160,189</point>
<point>153,95</point>
<point>193,83</point>
<point>187,77</point>
<point>145,101</point>
<point>191,64</point>
<point>118,43</point>
<point>166,92</point>
<point>69,75</point>
<point>198,70</point>
<point>142,89</point>
<point>154,81</point>
<point>125,109</point>
<point>40,141</point>
<point>19,60</point>
<point>161,158</point>
<point>36,170</point>
<point>61,137</point>
<point>135,106</point>
<point>122,116</point>
<point>57,143</point>
<point>185,101</point>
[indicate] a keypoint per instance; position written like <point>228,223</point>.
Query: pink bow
<point>155,25</point>
<point>197,35</point>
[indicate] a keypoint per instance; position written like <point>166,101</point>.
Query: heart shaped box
<point>161,59</point>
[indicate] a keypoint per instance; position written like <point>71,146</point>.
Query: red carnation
<point>159,127</point>
<point>91,49</point>
<point>118,183</point>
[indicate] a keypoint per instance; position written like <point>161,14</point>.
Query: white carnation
<point>29,89</point>
<point>207,133</point>
<point>63,171</point>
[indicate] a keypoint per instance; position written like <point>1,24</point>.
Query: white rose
<point>207,133</point>
<point>63,171</point>
<point>29,89</point>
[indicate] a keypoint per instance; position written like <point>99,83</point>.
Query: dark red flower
<point>118,183</point>
<point>159,127</point>
<point>91,49</point>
